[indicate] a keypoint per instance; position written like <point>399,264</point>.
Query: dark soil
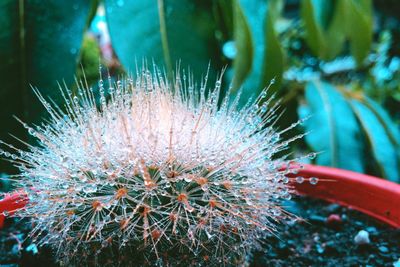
<point>313,241</point>
<point>319,241</point>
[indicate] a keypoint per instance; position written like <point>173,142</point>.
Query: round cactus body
<point>154,173</point>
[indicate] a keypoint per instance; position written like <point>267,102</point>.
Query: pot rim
<point>371,195</point>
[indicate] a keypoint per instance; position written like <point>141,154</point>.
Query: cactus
<point>156,174</point>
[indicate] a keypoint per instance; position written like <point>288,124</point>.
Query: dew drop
<point>187,178</point>
<point>229,49</point>
<point>263,108</point>
<point>276,212</point>
<point>189,208</point>
<point>299,179</point>
<point>288,197</point>
<point>275,138</point>
<point>263,94</point>
<point>312,155</point>
<point>31,131</point>
<point>313,180</point>
<point>104,243</point>
<point>285,180</point>
<point>91,188</point>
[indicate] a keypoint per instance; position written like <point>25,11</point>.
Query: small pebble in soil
<point>334,221</point>
<point>371,229</point>
<point>317,219</point>
<point>383,249</point>
<point>332,208</point>
<point>362,238</point>
<point>313,242</point>
<point>320,249</point>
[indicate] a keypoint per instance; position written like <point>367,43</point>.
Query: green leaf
<point>359,28</point>
<point>328,24</point>
<point>39,44</point>
<point>335,35</point>
<point>275,9</point>
<point>12,88</point>
<point>391,128</point>
<point>323,12</point>
<point>314,31</point>
<point>324,22</point>
<point>273,60</point>
<point>384,151</point>
<point>89,60</point>
<point>243,40</point>
<point>260,56</point>
<point>166,31</point>
<point>334,130</point>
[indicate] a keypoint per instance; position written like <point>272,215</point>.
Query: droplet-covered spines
<point>157,169</point>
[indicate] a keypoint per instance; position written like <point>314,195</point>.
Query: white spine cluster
<point>171,171</point>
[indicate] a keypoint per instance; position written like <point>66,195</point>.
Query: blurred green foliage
<point>336,60</point>
<point>338,135</point>
<point>166,32</point>
<point>39,46</point>
<point>89,60</point>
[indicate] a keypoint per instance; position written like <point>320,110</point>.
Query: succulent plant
<point>157,173</point>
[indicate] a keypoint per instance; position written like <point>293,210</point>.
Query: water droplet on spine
<point>312,155</point>
<point>313,180</point>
